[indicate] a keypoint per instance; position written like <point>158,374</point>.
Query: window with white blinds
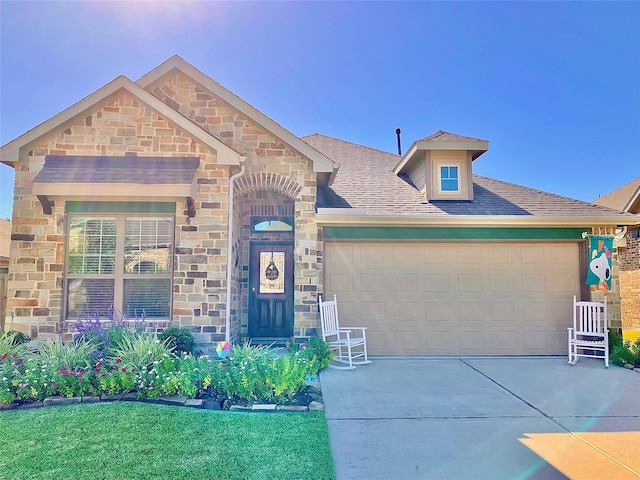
<point>121,262</point>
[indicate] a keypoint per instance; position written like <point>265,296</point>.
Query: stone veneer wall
<point>272,165</point>
<point>629,261</point>
<point>124,127</point>
<point>127,127</point>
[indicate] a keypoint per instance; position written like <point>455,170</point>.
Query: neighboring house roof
<point>367,183</point>
<point>5,238</point>
<point>625,198</point>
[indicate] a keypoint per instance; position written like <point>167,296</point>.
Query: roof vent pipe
<point>398,132</point>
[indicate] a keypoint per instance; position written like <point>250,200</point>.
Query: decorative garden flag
<point>599,271</point>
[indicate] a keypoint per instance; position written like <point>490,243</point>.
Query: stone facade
<point>126,127</point>
<point>629,261</point>
<point>271,166</point>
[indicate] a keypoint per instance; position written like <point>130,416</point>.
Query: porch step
<point>275,341</point>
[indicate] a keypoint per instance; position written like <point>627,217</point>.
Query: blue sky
<point>554,87</point>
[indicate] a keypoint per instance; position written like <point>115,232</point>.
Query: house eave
<point>476,148</point>
<point>113,191</point>
<point>330,218</point>
<point>406,158</point>
<point>176,63</point>
<point>633,203</point>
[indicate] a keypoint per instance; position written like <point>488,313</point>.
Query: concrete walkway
<point>484,418</point>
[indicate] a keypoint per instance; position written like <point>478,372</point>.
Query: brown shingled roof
<point>442,136</point>
<point>142,170</point>
<point>622,198</point>
<point>366,180</point>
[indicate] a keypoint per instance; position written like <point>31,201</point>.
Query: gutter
<point>358,218</point>
<point>230,246</point>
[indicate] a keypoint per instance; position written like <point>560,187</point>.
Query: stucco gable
<point>176,64</point>
<point>11,152</point>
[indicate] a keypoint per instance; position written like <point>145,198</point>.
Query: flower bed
<point>145,366</point>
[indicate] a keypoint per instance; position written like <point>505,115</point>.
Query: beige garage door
<point>456,298</point>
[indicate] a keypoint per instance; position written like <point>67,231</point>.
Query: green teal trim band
<point>120,207</point>
<point>451,233</point>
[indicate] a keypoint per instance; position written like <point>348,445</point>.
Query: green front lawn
<point>127,440</point>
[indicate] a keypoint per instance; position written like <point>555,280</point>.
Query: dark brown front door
<point>271,290</point>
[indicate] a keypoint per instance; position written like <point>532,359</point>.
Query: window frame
<point>441,178</point>
<point>119,275</point>
<point>259,219</point>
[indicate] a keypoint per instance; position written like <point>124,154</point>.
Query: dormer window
<point>440,165</point>
<point>449,178</point>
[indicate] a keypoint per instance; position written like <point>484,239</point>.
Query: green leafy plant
<point>70,356</point>
<point>11,367</point>
<point>287,377</point>
<point>246,370</point>
<point>13,343</point>
<point>255,374</point>
<point>112,379</point>
<point>180,339</point>
<point>622,351</point>
<point>141,351</point>
<point>317,354</point>
<point>189,376</point>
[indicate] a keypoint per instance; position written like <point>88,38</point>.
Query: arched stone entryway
<point>271,224</point>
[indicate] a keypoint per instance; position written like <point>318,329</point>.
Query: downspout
<point>230,247</point>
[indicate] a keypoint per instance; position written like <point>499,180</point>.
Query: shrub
<point>246,370</point>
<point>12,343</point>
<point>189,376</point>
<point>317,354</point>
<point>140,351</point>
<point>70,356</point>
<point>255,374</point>
<point>287,377</point>
<point>111,379</point>
<point>622,351</point>
<point>180,339</point>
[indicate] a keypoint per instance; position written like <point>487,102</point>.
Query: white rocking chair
<point>589,336</point>
<point>349,350</point>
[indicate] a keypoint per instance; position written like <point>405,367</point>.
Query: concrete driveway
<point>483,418</point>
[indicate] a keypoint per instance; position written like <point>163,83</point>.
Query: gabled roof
<point>177,64</point>
<point>367,183</point>
<point>442,136</point>
<point>10,152</point>
<point>625,198</point>
<point>442,140</point>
